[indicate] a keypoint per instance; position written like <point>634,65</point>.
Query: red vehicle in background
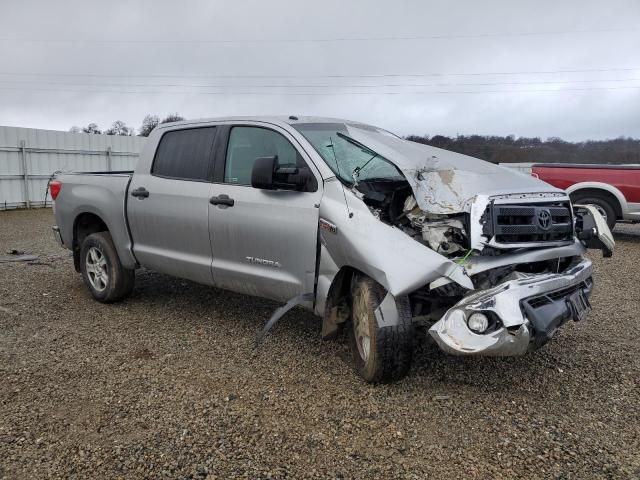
<point>613,189</point>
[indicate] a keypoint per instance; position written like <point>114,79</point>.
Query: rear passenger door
<point>169,207</point>
<point>265,243</point>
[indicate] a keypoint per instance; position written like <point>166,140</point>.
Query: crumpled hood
<point>446,182</point>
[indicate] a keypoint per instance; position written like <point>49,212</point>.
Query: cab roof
<point>276,119</point>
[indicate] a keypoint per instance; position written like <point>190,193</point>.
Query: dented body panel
<point>382,252</point>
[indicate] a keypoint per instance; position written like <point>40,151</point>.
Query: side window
<point>185,154</point>
<point>248,143</point>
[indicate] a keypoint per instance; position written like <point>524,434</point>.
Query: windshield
<point>351,161</point>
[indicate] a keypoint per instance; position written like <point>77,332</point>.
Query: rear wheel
<point>602,203</point>
<point>107,280</point>
<point>380,354</point>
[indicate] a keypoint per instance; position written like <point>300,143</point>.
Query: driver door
<point>263,242</point>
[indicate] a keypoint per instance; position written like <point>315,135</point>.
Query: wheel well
<point>84,225</point>
<point>337,309</point>
<point>597,192</point>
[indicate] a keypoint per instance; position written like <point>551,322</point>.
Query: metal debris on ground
<point>17,256</point>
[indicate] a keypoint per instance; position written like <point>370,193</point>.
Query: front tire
<point>105,277</point>
<point>380,354</point>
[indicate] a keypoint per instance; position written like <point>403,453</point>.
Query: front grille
<point>520,224</point>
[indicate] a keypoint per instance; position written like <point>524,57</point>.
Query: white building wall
<point>29,156</point>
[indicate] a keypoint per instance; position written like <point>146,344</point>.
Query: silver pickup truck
<point>379,236</point>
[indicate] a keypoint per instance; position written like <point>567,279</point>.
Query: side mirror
<point>262,173</point>
<point>266,175</point>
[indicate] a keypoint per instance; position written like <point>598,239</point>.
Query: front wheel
<point>380,354</point>
<point>107,280</point>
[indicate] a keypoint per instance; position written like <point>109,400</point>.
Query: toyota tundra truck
<point>384,239</point>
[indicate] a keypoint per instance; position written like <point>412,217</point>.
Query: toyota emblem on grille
<point>544,219</point>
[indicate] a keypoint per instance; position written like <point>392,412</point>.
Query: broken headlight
<point>478,322</point>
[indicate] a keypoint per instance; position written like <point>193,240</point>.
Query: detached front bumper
<point>526,310</point>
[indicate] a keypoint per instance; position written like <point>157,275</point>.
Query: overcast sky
<point>536,68</point>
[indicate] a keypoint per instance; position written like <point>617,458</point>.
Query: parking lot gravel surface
<point>167,385</point>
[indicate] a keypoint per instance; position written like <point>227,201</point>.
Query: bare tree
<point>75,129</point>
<point>119,128</point>
<point>148,124</point>
<point>92,128</point>
<point>172,117</point>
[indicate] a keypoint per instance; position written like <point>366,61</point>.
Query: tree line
<point>509,149</point>
<point>121,128</point>
<point>495,149</point>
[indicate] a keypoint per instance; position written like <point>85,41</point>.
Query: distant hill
<point>509,149</point>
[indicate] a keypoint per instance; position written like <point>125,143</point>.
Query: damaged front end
<point>495,262</point>
<point>522,248</point>
<point>523,312</point>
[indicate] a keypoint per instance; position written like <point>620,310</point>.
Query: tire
<point>389,352</point>
<point>103,274</point>
<point>603,204</point>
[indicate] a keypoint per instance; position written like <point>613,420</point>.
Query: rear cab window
<point>185,154</point>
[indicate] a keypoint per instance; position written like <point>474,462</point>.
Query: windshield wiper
<point>355,142</point>
<point>356,171</point>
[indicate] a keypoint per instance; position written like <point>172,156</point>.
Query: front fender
<point>350,235</point>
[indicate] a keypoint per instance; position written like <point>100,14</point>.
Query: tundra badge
<point>262,261</point>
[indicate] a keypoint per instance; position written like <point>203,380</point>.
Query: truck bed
<point>103,194</point>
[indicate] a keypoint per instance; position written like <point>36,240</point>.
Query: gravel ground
<point>165,385</point>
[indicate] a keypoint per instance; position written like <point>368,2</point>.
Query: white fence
<point>28,158</point>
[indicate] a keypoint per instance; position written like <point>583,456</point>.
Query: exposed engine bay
<point>393,202</point>
<point>499,227</point>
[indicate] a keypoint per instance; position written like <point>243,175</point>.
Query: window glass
<point>185,154</point>
<point>348,160</point>
<point>248,143</point>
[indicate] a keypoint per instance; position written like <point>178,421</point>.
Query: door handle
<point>222,200</point>
<point>140,192</point>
